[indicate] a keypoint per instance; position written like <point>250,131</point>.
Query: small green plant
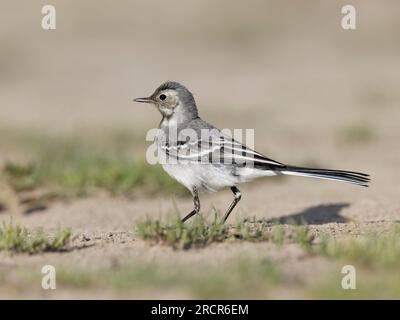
<point>18,239</point>
<point>196,233</point>
<point>303,236</point>
<point>278,235</point>
<point>200,232</point>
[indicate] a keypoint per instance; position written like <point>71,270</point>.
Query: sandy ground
<point>297,78</point>
<point>103,235</point>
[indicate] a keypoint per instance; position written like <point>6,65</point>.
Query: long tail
<point>358,178</point>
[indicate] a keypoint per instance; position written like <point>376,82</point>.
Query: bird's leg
<point>237,197</point>
<point>196,209</point>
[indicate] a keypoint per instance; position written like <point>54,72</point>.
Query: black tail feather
<point>358,178</point>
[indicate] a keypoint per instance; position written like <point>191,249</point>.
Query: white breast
<point>203,176</point>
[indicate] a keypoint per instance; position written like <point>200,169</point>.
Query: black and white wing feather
<point>223,150</point>
<point>219,150</point>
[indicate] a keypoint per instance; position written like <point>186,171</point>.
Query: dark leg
<point>196,202</point>
<point>237,198</point>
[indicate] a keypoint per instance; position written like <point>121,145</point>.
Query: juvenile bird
<point>202,158</point>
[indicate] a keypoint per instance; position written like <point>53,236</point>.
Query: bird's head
<point>172,98</point>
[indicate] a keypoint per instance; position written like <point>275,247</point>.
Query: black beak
<point>144,100</point>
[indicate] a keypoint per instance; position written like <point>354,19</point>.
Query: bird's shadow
<point>320,214</point>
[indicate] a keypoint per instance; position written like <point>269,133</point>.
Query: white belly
<point>205,177</point>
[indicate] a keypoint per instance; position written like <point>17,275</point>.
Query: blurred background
<point>314,93</point>
<point>276,66</point>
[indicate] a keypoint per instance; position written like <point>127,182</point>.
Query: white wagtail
<point>217,161</point>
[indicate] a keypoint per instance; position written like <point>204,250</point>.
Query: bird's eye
<point>162,96</point>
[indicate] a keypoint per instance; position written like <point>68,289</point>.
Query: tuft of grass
<point>303,237</point>
<point>196,233</point>
<point>18,239</point>
<point>200,232</point>
<point>355,134</point>
<point>278,235</point>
